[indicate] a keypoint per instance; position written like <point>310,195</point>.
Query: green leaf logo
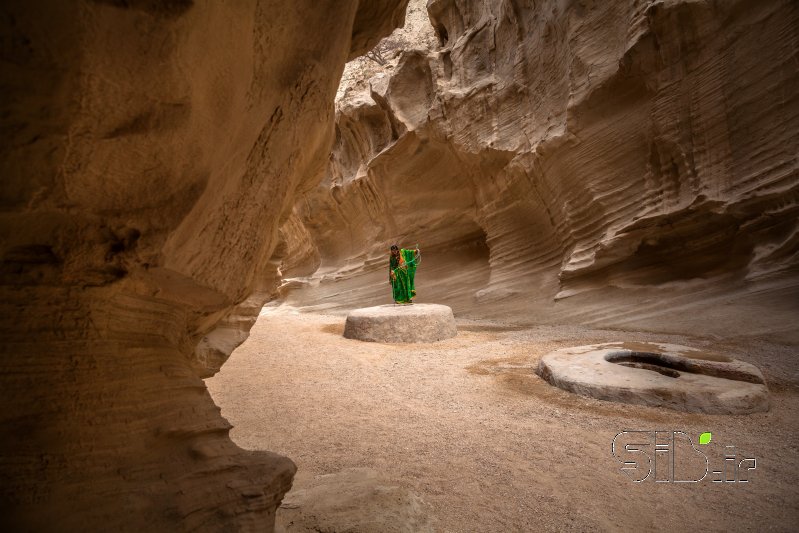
<point>704,438</point>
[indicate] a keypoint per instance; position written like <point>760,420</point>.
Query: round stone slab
<point>662,375</point>
<point>401,323</point>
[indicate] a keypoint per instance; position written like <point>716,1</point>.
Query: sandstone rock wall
<point>589,145</point>
<point>150,152</point>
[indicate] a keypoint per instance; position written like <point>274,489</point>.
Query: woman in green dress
<point>401,273</point>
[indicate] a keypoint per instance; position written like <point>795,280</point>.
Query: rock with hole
<point>401,323</point>
<point>661,375</point>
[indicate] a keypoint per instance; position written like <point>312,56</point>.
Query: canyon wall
<point>547,151</point>
<point>151,150</point>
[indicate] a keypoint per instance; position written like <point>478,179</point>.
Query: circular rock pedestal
<point>401,323</point>
<point>663,375</point>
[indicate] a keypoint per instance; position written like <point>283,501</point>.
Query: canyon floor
<point>463,436</point>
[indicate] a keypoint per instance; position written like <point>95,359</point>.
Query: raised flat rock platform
<point>401,323</point>
<point>662,375</point>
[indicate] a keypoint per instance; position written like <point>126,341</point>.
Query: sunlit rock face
<point>583,145</point>
<point>150,152</point>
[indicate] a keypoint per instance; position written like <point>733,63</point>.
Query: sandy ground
<point>462,436</point>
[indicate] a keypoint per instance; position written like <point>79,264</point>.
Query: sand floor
<point>462,436</point>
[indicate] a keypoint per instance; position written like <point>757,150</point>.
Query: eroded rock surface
<point>585,145</point>
<point>664,375</point>
<point>401,323</point>
<point>151,150</point>
<point>355,499</point>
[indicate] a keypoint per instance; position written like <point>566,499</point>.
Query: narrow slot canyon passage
<point>373,266</point>
<point>465,434</point>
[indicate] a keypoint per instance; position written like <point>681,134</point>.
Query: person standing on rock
<point>401,273</point>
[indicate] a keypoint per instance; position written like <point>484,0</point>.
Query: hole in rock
<point>693,385</point>
<point>645,361</point>
<point>671,366</point>
<point>443,36</point>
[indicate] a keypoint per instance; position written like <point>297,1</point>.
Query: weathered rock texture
<point>401,323</point>
<point>355,499</point>
<point>584,145</point>
<point>150,152</point>
<point>662,375</point>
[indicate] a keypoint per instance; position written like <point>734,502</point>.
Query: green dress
<point>404,268</point>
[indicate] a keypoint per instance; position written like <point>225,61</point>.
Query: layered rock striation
<point>151,150</point>
<point>549,149</point>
